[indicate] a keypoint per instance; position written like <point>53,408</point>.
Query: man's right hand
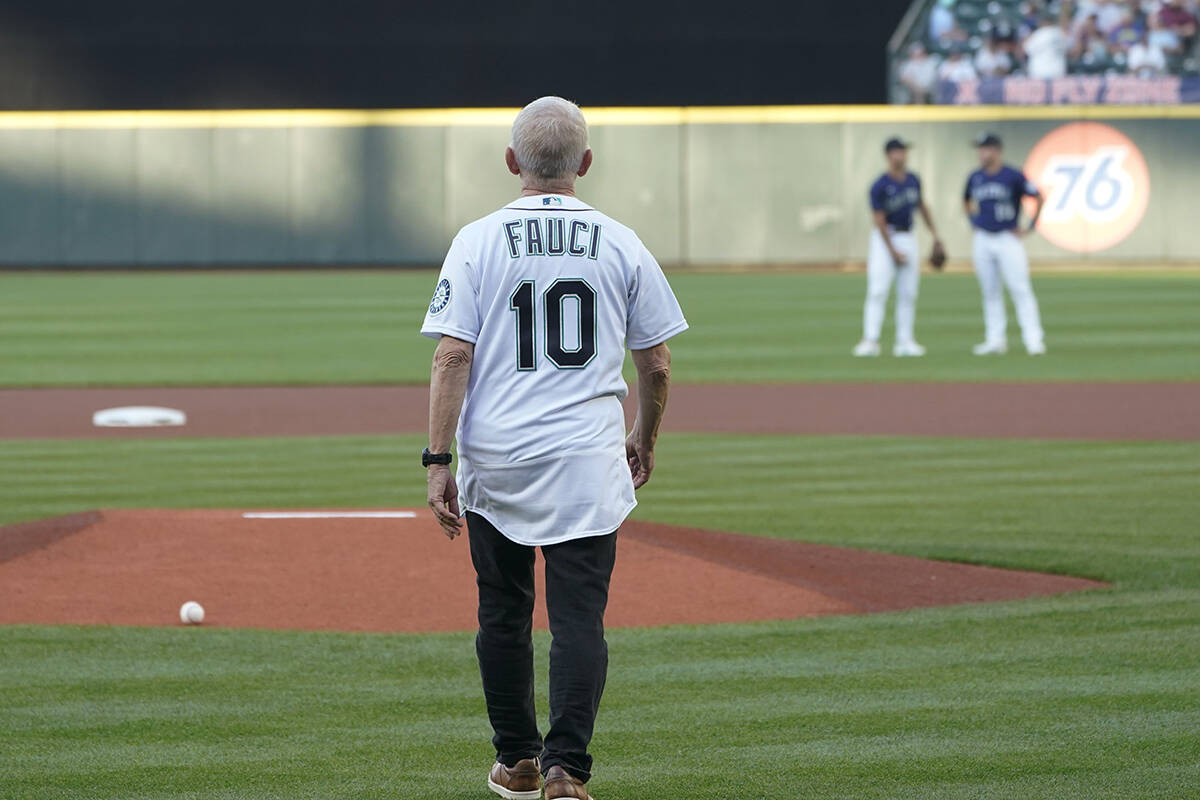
<point>641,460</point>
<point>899,258</point>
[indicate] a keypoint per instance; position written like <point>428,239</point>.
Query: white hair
<point>549,138</point>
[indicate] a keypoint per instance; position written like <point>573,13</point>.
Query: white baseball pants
<point>1000,261</point>
<point>881,271</point>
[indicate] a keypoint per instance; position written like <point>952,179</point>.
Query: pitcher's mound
<point>395,571</point>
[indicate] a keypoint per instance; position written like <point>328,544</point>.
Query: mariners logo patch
<point>441,297</point>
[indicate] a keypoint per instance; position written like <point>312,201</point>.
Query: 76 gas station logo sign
<point>1095,182</point>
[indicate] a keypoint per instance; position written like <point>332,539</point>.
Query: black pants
<point>577,577</point>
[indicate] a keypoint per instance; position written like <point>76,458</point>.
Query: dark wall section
<point>97,54</point>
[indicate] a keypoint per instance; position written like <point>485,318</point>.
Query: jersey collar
<point>548,202</point>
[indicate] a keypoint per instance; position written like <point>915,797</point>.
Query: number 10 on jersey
<point>557,318</point>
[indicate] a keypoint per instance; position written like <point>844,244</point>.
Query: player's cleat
<point>1038,349</point>
<point>561,785</point>
<point>521,781</point>
<point>866,349</point>
<point>990,349</point>
<point>908,350</point>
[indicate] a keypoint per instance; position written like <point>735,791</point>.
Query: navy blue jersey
<point>997,198</point>
<point>896,199</point>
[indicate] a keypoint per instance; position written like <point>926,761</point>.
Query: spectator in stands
<point>1164,39</point>
<point>1175,16</point>
<point>919,74</point>
<point>1090,50</point>
<point>941,19</point>
<point>1145,60</point>
<point>1109,15</point>
<point>1083,10</point>
<point>953,37</point>
<point>1006,41</point>
<point>1127,34</point>
<point>1091,45</point>
<point>1047,47</point>
<point>1030,13</point>
<point>957,67</point>
<point>994,59</point>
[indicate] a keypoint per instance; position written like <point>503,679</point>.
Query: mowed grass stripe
<point>922,700</point>
<point>361,327</point>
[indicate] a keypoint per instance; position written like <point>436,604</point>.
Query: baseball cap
<point>896,143</point>
<point>987,139</point>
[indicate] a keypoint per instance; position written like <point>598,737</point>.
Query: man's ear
<point>586,164</point>
<point>510,160</point>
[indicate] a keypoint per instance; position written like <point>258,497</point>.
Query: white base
<point>138,417</point>
<point>329,515</point>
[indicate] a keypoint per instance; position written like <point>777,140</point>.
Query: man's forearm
<point>887,239</point>
<point>1037,212</point>
<point>447,388</point>
<point>929,220</point>
<point>654,386</point>
<point>652,405</point>
<point>882,227</point>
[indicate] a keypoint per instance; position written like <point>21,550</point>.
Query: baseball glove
<point>937,258</point>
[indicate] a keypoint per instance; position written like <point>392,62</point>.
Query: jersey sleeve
<point>1025,186</point>
<point>454,309</point>
<point>876,195</point>
<point>653,314</point>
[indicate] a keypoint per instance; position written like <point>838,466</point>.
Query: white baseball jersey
<point>551,292</point>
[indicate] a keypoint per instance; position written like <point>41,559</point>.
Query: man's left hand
<point>443,499</point>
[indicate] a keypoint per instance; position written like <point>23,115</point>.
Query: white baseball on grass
<point>191,613</point>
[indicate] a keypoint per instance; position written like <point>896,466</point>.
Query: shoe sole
<point>509,794</point>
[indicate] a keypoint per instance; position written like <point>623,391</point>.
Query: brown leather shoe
<point>561,784</point>
<point>521,781</point>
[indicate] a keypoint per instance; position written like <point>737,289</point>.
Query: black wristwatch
<point>428,458</point>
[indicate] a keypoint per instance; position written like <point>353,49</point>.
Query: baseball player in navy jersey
<point>534,309</point>
<point>892,253</point>
<point>992,199</point>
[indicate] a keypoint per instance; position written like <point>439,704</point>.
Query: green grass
<point>1094,695</point>
<point>360,327</point>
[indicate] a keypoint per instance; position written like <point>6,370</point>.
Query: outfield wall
<point>703,186</point>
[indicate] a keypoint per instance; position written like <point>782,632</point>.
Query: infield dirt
<point>1165,411</point>
<point>136,567</point>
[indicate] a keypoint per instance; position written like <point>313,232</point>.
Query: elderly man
<point>534,308</point>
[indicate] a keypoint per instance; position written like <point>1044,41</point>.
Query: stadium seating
<point>977,20</point>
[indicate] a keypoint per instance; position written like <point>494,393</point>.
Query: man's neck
<point>994,169</point>
<point>898,175</point>
<point>530,191</point>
